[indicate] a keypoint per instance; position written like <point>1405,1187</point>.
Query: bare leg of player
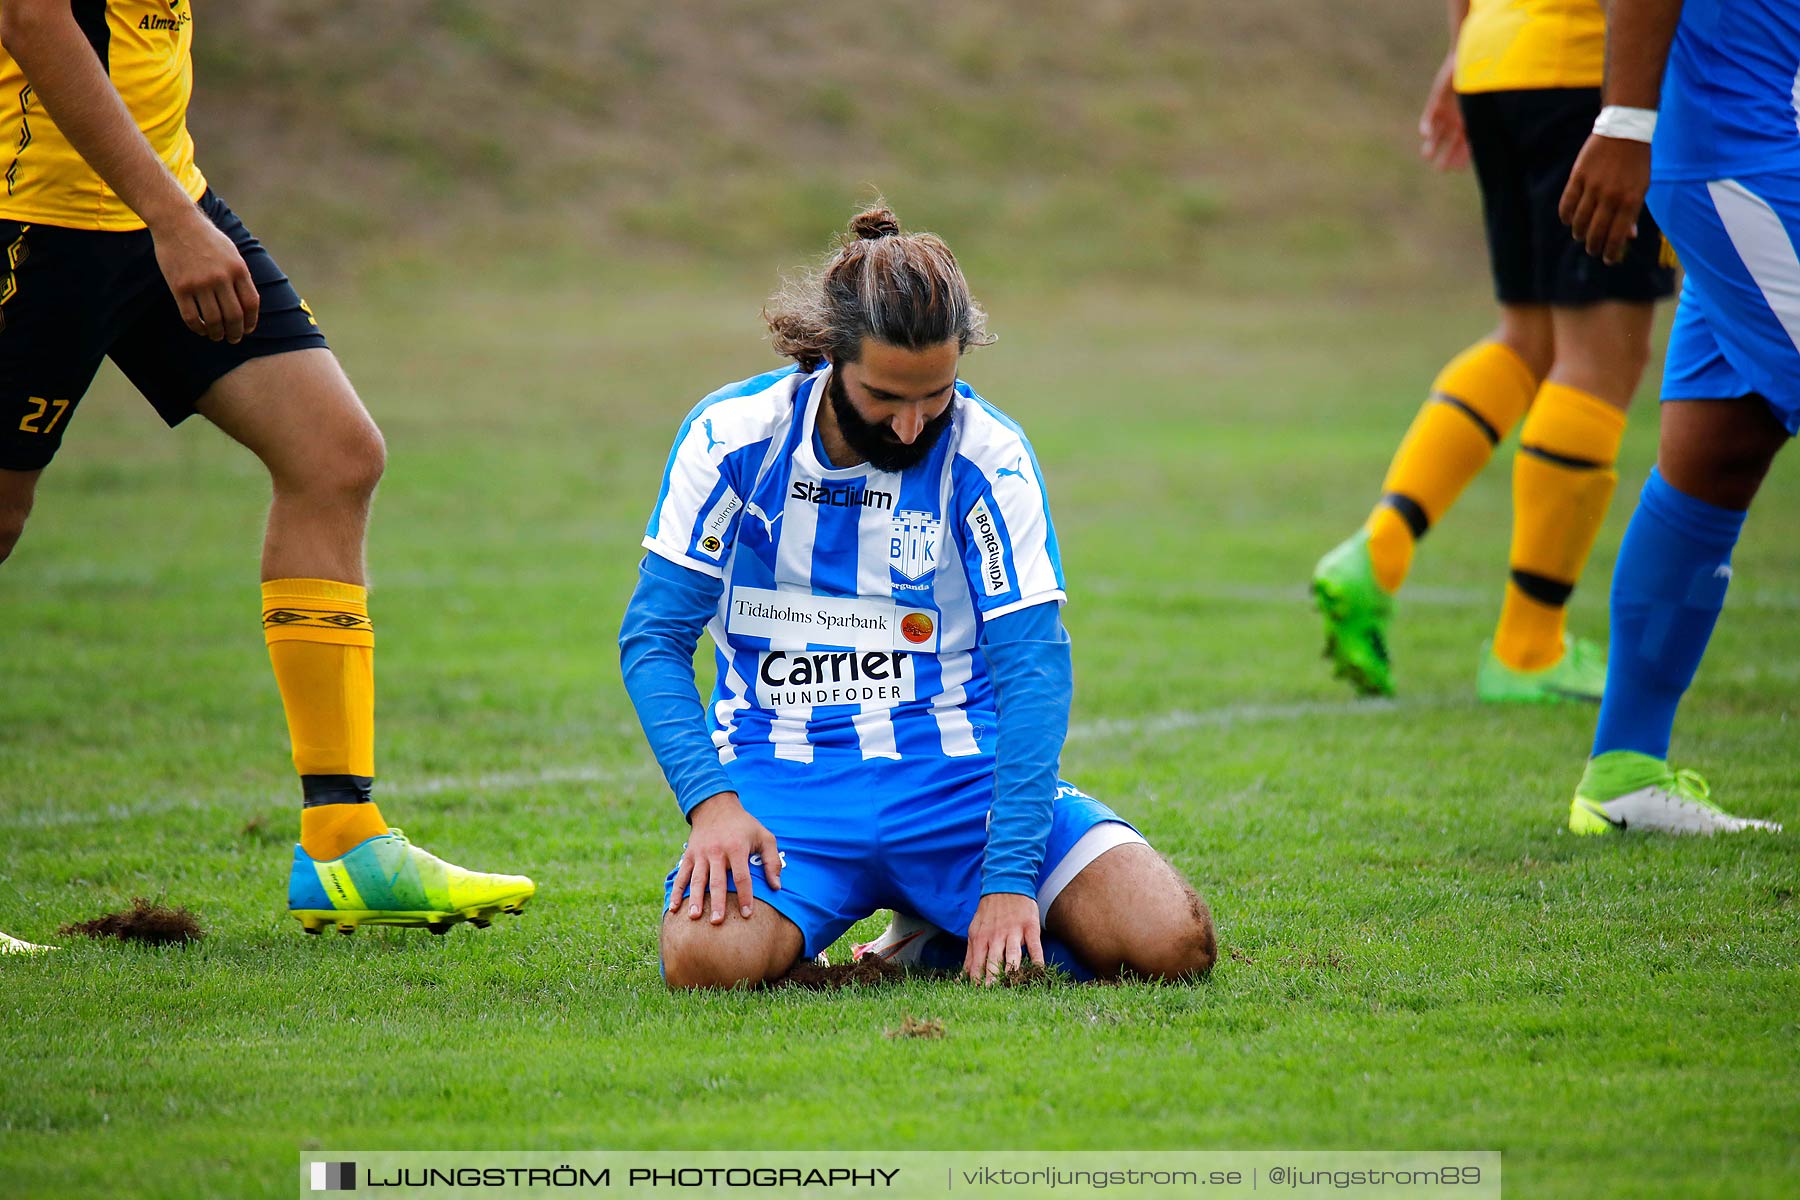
<point>1129,910</point>
<point>298,413</point>
<point>741,951</point>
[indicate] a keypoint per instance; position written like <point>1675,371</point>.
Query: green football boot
<point>1624,790</point>
<point>1580,674</point>
<point>1356,612</point>
<point>387,880</point>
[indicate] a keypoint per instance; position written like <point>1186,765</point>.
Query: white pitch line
<point>1230,714</point>
<point>644,770</point>
<point>1256,593</point>
<point>512,781</point>
<point>1766,599</point>
<point>430,785</point>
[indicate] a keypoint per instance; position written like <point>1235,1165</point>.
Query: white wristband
<point>1632,124</point>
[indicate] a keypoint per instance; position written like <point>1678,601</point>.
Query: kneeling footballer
<point>868,543</point>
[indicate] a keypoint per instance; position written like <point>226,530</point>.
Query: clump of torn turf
<point>1031,975</point>
<point>867,971</point>
<point>930,1027</point>
<point>155,924</point>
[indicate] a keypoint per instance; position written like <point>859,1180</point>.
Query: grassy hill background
<point>1264,145</point>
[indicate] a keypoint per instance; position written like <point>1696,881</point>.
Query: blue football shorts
<point>858,835</point>
<point>1737,328</point>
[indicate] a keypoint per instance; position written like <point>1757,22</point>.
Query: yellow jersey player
<point>116,247</point>
<point>1518,93</point>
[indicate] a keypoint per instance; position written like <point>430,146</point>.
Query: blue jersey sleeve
<point>1029,661</point>
<point>668,612</point>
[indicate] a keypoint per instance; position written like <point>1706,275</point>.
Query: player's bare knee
<point>688,962</point>
<point>1182,948</point>
<point>1609,373</point>
<point>358,458</point>
<point>699,954</point>
<point>688,966</point>
<point>1199,943</point>
<point>1634,359</point>
<point>1741,468</point>
<point>1527,332</point>
<point>343,469</point>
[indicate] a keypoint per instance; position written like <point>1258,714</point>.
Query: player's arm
<point>204,270</point>
<point>1443,142</point>
<point>1606,189</point>
<point>1029,663</point>
<point>668,611</point>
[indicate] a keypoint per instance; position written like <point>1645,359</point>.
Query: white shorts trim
<point>1087,848</point>
<point>1761,240</point>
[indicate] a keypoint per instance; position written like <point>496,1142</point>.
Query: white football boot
<point>1679,803</point>
<point>902,942</point>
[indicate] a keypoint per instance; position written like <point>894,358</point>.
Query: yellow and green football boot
<point>1623,790</point>
<point>1580,674</point>
<point>1356,612</point>
<point>387,880</point>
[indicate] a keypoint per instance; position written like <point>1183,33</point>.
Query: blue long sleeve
<point>668,612</point>
<point>1030,665</point>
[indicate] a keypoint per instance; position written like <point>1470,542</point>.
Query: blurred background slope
<point>1068,138</point>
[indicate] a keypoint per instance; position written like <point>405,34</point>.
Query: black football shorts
<point>70,297</point>
<point>1524,144</point>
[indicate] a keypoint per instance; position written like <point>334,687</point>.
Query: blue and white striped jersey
<point>852,599</point>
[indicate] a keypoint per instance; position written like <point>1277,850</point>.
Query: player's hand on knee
<point>208,277</point>
<point>1004,935</point>
<point>719,849</point>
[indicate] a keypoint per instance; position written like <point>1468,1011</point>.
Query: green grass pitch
<point>1416,953</point>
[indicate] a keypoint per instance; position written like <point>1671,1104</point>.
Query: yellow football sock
<point>322,647</point>
<point>1563,480</point>
<point>1475,401</point>
<point>333,830</point>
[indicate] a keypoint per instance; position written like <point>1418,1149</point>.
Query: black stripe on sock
<point>1563,460</point>
<point>1542,588</point>
<point>336,789</point>
<point>1481,422</point>
<point>90,15</point>
<point>1410,512</point>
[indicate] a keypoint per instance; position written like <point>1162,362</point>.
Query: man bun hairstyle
<point>875,223</point>
<point>903,289</point>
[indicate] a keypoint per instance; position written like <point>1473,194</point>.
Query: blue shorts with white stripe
<point>1737,329</point>
<point>858,835</point>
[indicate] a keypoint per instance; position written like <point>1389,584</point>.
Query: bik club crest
<point>913,548</point>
